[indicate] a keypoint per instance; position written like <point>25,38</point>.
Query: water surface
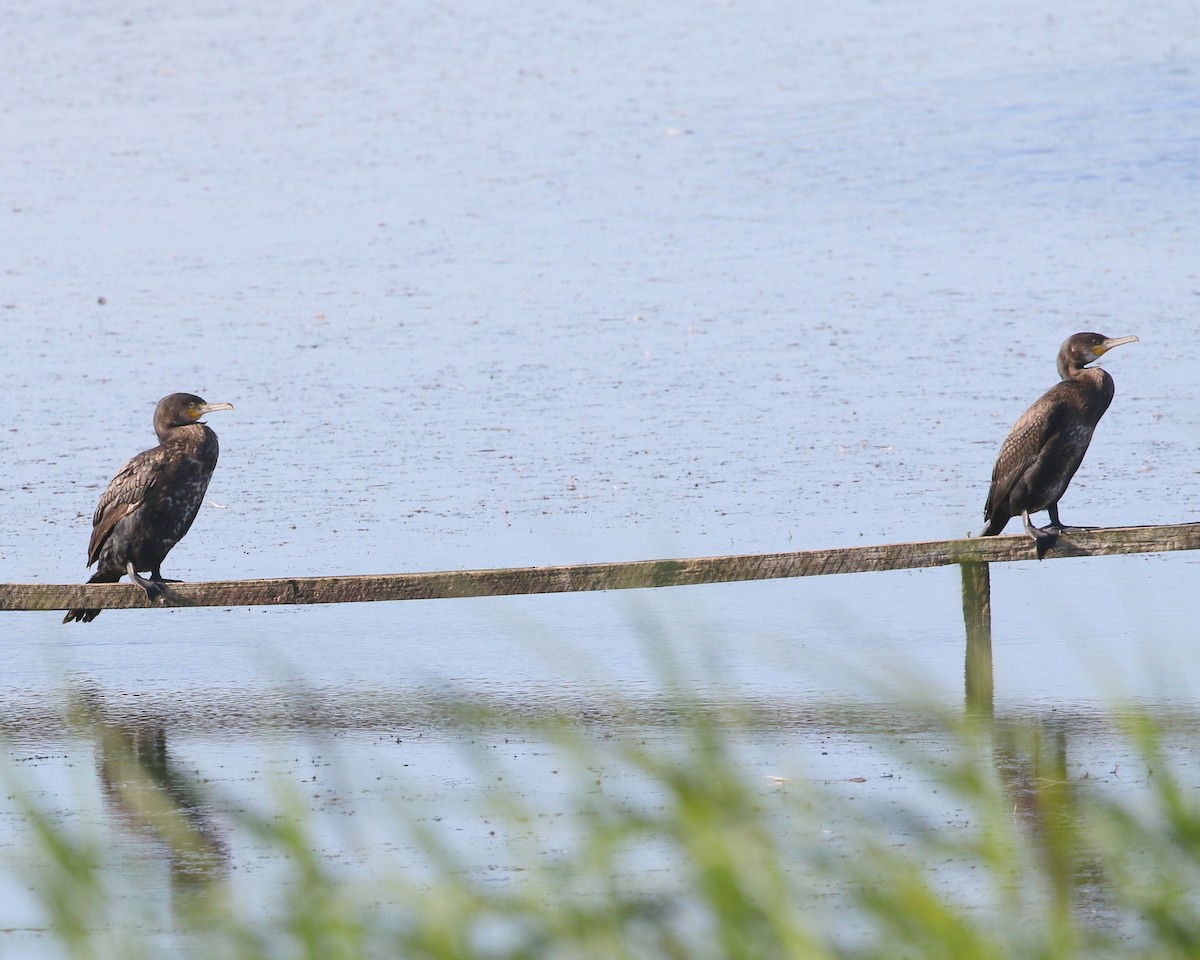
<point>499,286</point>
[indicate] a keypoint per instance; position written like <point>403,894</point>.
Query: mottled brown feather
<point>124,494</point>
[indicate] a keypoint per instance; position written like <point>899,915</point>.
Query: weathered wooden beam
<point>602,576</point>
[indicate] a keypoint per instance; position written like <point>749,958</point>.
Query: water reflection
<point>147,747</point>
<point>1031,759</point>
<point>153,799</point>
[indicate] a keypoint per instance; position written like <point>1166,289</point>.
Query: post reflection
<point>1030,756</point>
<point>1030,759</point>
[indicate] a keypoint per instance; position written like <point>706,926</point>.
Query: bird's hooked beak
<point>212,407</point>
<point>1102,348</point>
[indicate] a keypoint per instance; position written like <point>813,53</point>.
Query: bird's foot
<point>1044,540</point>
<point>1043,537</point>
<point>1066,527</point>
<point>153,588</point>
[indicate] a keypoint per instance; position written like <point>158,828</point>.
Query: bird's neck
<point>181,431</point>
<point>1076,371</point>
<point>1097,386</point>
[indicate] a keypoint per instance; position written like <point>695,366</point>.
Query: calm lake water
<point>494,285</point>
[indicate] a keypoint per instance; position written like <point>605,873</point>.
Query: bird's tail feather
<point>88,615</point>
<point>995,525</point>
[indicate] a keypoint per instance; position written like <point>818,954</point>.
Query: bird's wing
<point>1025,444</point>
<point>124,494</point>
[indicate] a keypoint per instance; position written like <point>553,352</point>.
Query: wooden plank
<point>602,576</point>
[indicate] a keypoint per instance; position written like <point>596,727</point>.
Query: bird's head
<point>180,409</point>
<point>1082,348</point>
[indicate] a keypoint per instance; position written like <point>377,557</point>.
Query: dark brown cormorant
<point>151,502</point>
<point>1045,447</point>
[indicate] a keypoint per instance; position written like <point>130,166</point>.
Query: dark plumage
<point>1045,447</point>
<point>151,502</point>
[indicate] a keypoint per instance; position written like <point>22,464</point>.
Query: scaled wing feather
<point>125,493</point>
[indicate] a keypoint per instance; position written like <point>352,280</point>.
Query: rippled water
<point>559,283</point>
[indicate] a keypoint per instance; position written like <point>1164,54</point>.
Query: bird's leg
<point>157,577</point>
<point>1055,523</point>
<point>1044,538</point>
<point>1058,525</point>
<point>153,590</point>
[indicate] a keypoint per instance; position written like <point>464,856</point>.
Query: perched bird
<point>151,502</point>
<point>1045,447</point>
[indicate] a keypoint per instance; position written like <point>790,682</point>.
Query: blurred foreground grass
<point>703,857</point>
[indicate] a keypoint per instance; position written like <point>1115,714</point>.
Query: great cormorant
<point>151,502</point>
<point>1045,447</point>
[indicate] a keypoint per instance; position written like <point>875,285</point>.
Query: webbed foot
<point>152,588</point>
<point>1044,537</point>
<point>1056,524</point>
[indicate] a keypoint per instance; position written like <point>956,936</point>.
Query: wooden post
<point>977,616</point>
